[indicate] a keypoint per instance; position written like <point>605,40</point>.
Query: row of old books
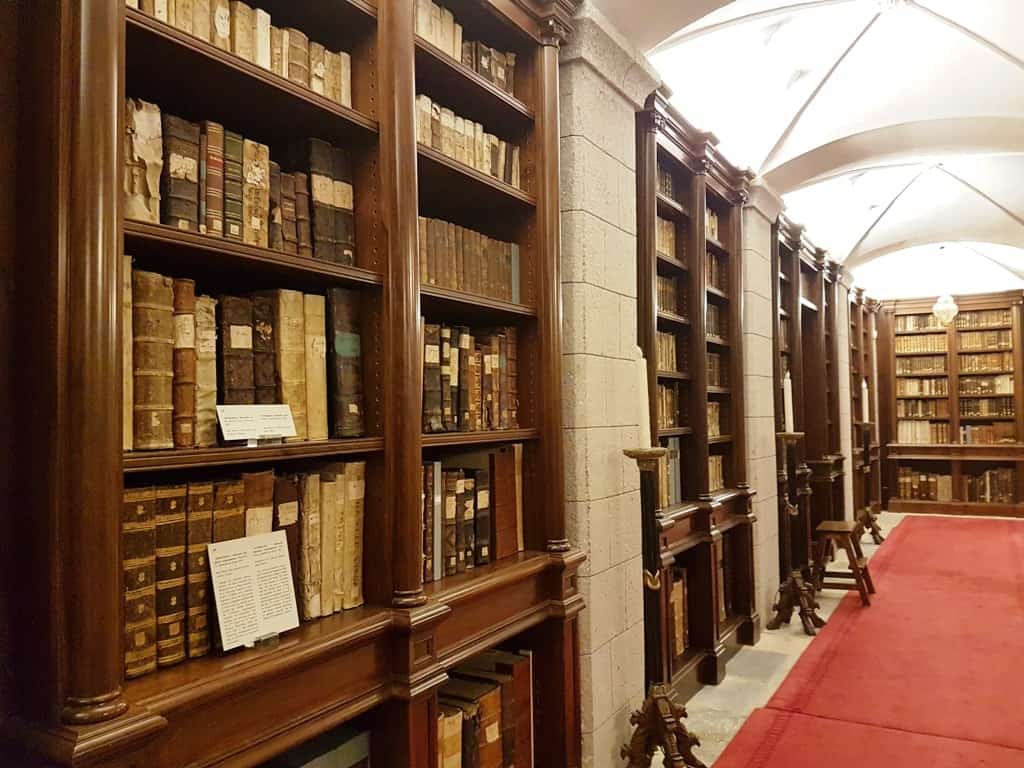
<point>668,406</point>
<point>716,473</point>
<point>200,177</point>
<point>166,531</point>
<point>666,182</point>
<point>437,25</point>
<point>987,385</point>
<point>987,406</point>
<point>671,476</point>
<point>470,378</point>
<point>670,297</point>
<point>717,272</point>
<point>472,511</point>
<point>466,260</point>
<point>248,32</point>
<point>988,434</point>
<point>922,432</point>
<point>466,141</point>
<point>989,362</point>
<point>993,486</point>
<point>716,373</point>
<point>724,591</point>
<point>666,348</point>
<point>985,318</point>
<point>985,340</point>
<point>711,230</point>
<point>918,387</point>
<point>186,353</point>
<point>924,486</point>
<point>714,418</point>
<point>919,365</point>
<point>716,320</point>
<point>927,322</point>
<point>485,718</point>
<point>922,409</point>
<point>665,241</point>
<point>926,342</point>
<point>678,603</point>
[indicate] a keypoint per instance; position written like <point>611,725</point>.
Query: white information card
<point>255,422</point>
<point>252,588</point>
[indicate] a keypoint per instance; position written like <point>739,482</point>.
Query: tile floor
<point>717,712</point>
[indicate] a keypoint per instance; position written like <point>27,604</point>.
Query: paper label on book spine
<point>184,331</point>
<point>463,341</point>
<point>449,508</point>
<point>483,499</point>
<point>180,167</point>
<point>343,196</point>
<point>492,733</point>
<point>241,337</point>
<point>323,189</point>
<point>288,513</point>
<point>432,354</point>
<point>221,20</point>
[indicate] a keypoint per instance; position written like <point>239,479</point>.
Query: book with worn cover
<point>329,535</point>
<point>461,544</point>
<point>467,501</point>
<point>170,574</point>
<point>286,518</point>
<point>314,321</point>
<point>180,182</point>
<point>201,19</point>
<point>228,510</point>
<point>296,50</point>
<point>464,347</point>
<point>277,51</point>
<point>259,502</point>
<point>206,371</point>
<point>290,332</point>
<point>509,706</point>
<point>183,15</point>
<point>152,360</point>
<point>482,516</point>
<point>243,30</point>
<point>233,153</point>
<point>450,524</point>
<point>340,538</point>
<point>264,348</point>
<point>138,543</point>
<point>319,160</point>
<point>427,501</point>
<point>520,667</point>
<point>255,193</point>
<point>220,24</point>
<point>354,513</point>
<point>449,737</point>
<point>343,199</point>
<point>275,219</point>
<point>127,371</point>
<point>237,384</point>
<point>199,532</point>
<point>310,577</point>
<point>344,363</point>
<point>289,225</point>
<point>184,363</point>
<point>214,206</point>
<point>144,161</point>
<point>317,68</point>
<point>261,38</point>
<point>480,702</point>
<point>303,220</point>
<point>432,415</point>
<point>448,423</point>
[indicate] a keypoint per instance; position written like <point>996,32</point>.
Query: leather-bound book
<point>201,19</point>
<point>427,516</point>
<point>259,502</point>
<point>303,218</point>
<point>344,209</point>
<point>243,30</point>
<point>183,15</point>
<point>450,524</point>
<point>127,372</point>
<point>199,533</point>
<point>152,360</point>
<point>214,219</point>
<point>509,705</point>
<point>296,46</point>
<point>264,347</point>
<point>488,403</point>
<point>315,323</point>
<point>344,363</point>
<point>255,193</point>
<point>447,406</point>
<point>310,577</point>
<point>354,515</point>
<point>171,502</point>
<point>461,529</point>
<point>449,737</point>
<point>290,332</point>
<point>144,161</point>
<point>512,359</point>
<point>201,194</point>
<point>468,521</point>
<point>233,152</point>
<point>180,182</point>
<point>464,345</point>
<point>289,225</point>
<point>482,61</point>
<point>330,533</point>
<point>275,219</point>
<point>261,38</point>
<point>317,68</point>
<point>480,702</point>
<point>228,510</point>
<point>482,516</point>
<point>237,385</point>
<point>319,160</point>
<point>439,517</point>
<point>423,119</point>
<point>286,518</point>
<point>432,417</point>
<point>138,543</point>
<point>502,498</point>
<point>503,413</point>
<point>423,251</point>
<point>184,392</point>
<point>206,372</point>
<point>220,24</point>
<point>436,135</point>
<point>520,667</point>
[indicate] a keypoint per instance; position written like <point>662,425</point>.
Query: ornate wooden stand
<point>660,724</point>
<point>794,593</point>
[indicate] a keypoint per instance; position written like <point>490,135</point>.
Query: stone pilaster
<point>845,414</point>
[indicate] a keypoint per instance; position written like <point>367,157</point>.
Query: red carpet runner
<point>930,676</point>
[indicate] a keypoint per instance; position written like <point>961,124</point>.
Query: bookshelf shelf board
<point>985,351</point>
<point>457,86</point>
<point>467,187</point>
<point>985,328</point>
<point>188,458</point>
<point>191,250</point>
<point>922,397</point>
<point>671,317</point>
<point>244,96</point>
<point>932,375</point>
<point>808,304</point>
<point>717,246</point>
<point>956,507</point>
<point>682,266</point>
<point>922,354</point>
<point>671,209</point>
<point>718,341</point>
<point>491,437</point>
<point>984,458</point>
<point>437,298</point>
<point>922,418</point>
<point>989,394</point>
<point>923,332</point>
<point>719,439</point>
<point>505,571</point>
<point>717,292</point>
<point>675,431</point>
<point>684,664</point>
<point>675,375</point>
<point>964,373</point>
<point>713,390</point>
<point>987,418</point>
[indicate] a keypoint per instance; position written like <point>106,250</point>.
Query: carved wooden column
<point>697,251</point>
<point>646,180</point>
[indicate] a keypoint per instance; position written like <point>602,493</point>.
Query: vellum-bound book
<point>184,392</point>
<point>152,360</point>
<point>289,325</point>
<point>314,320</point>
<point>255,193</point>
<point>206,372</point>
<point>352,564</point>
<point>310,578</point>
<point>144,161</point>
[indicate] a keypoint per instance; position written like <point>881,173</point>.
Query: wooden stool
<point>840,534</point>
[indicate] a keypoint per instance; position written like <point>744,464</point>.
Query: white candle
<point>787,398</point>
<point>643,404</point>
<point>864,410</point>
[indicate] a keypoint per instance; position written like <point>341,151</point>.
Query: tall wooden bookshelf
<point>866,464</point>
<point>379,665</point>
<point>690,287</point>
<point>955,415</point>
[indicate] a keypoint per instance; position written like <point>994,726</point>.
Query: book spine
<point>317,68</point>
<point>289,323</point>
<point>332,75</point>
<point>183,15</point>
<point>180,181</point>
<point>341,539</point>
<point>243,30</point>
<point>482,518</point>
<point>152,360</point>
<point>343,199</point>
<point>289,225</point>
<point>127,371</point>
<point>233,153</point>
<point>345,379</point>
<point>261,38</point>
<point>286,518</point>
<point>329,532</point>
<point>450,525</point>
<point>170,574</point>
<point>428,523</point>
<point>138,545</point>
<point>303,220</point>
<point>199,533</point>
<point>310,579</point>
<point>447,411</point>
<point>237,383</point>
<point>466,368</point>
<point>459,494</point>
<point>432,414</point>
<point>201,20</point>
<point>220,24</point>
<point>264,348</point>
<point>206,372</point>
<point>228,510</point>
<point>275,221</point>
<point>320,161</point>
<point>259,502</point>
<point>144,161</point>
<point>298,57</point>
<point>355,493</point>
<point>346,78</point>
<point>277,51</point>
<point>214,198</point>
<point>184,363</point>
<point>469,519</point>
<point>314,321</point>
<point>255,193</point>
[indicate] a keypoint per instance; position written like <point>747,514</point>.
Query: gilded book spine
<point>214,133</point>
<point>233,151</point>
<point>170,574</point>
<point>144,161</point>
<point>180,184</point>
<point>355,492</point>
<point>289,322</point>
<point>127,383</point>
<point>206,371</point>
<point>237,383</point>
<point>138,537</point>
<point>184,394</point>
<point>255,193</point>
<point>309,546</point>
<point>152,360</point>
<point>344,209</point>
<point>264,347</point>
<point>345,379</point>
<point>199,531</point>
<point>314,321</point>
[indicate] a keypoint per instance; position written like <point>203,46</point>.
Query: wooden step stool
<point>845,535</point>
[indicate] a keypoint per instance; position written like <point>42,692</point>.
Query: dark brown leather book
<point>344,363</point>
<point>255,193</point>
<point>432,418</point>
<point>468,521</point>
<point>520,667</point>
<point>264,348</point>
<point>502,497</point>
<point>276,217</point>
<point>184,360</point>
<point>482,516</point>
<point>138,542</point>
<point>512,359</point>
<point>428,522</point>
<point>319,161</point>
<point>482,61</point>
<point>235,350</point>
<point>461,528</point>
<point>503,416</point>
<point>483,717</point>
<point>303,219</point>
<point>152,360</point>
<point>464,346</point>
<point>509,707</point>
<point>259,502</point>
<point>233,185</point>
<point>286,518</point>
<point>228,510</point>
<point>450,524</point>
<point>289,225</point>
<point>475,368</point>
<point>180,181</point>
<point>344,209</point>
<point>214,219</point>
<point>171,502</point>
<point>199,528</point>
<point>448,422</point>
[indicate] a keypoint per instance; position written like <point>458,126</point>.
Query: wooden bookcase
<point>866,464</point>
<point>705,529</point>
<point>915,396</point>
<point>381,663</point>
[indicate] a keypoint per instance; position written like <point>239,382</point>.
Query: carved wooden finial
<point>659,725</point>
